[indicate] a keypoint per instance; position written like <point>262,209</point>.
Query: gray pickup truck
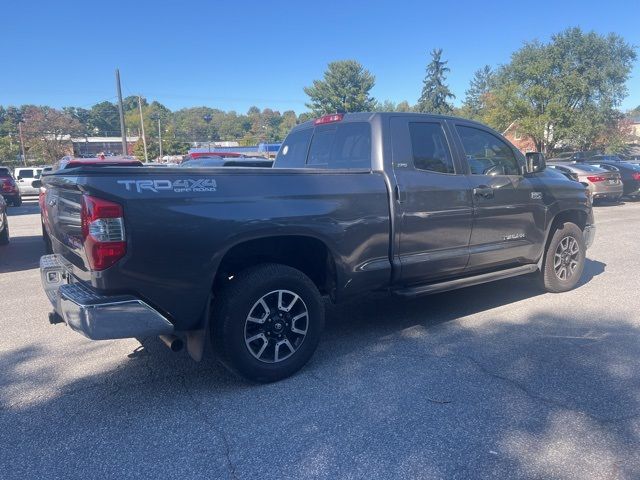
<point>406,203</point>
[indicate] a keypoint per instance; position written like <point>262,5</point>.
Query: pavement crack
<point>542,399</point>
<point>231,466</point>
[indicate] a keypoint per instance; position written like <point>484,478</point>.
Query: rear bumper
<point>589,233</point>
<point>97,316</point>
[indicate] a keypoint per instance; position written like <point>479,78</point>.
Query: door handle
<point>483,191</point>
<point>399,194</point>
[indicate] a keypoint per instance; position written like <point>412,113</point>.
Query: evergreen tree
<point>435,92</point>
<point>476,95</point>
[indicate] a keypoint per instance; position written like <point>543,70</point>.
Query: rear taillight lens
<point>102,232</point>
<point>596,178</point>
<point>7,185</point>
<point>636,176</point>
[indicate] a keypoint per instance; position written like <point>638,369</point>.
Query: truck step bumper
<point>97,316</point>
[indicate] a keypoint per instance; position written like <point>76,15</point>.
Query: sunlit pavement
<point>495,381</point>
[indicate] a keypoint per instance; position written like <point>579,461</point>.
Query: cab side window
<point>486,153</point>
<point>430,148</point>
<point>26,173</point>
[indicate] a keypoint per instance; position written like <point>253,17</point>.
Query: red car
<point>9,188</point>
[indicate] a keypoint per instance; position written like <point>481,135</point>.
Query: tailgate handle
<point>483,191</point>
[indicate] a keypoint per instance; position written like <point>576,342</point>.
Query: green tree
<point>104,119</point>
<point>476,95</point>
<point>9,150</point>
<point>435,92</point>
<point>47,132</point>
<point>563,91</point>
<point>289,120</point>
<point>404,106</point>
<point>345,87</point>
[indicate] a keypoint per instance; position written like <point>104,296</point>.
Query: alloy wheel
<point>276,326</point>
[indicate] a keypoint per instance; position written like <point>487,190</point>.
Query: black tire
<point>4,234</point>
<point>558,259</point>
<point>17,202</point>
<point>231,327</point>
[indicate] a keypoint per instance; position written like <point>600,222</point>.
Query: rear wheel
<point>4,234</point>
<point>564,259</point>
<point>17,202</point>
<point>267,322</point>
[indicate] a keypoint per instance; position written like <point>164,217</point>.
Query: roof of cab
<point>369,116</point>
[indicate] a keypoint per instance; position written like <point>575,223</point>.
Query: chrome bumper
<point>589,235</point>
<point>96,316</point>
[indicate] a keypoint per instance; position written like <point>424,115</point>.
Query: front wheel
<point>267,322</point>
<point>564,259</point>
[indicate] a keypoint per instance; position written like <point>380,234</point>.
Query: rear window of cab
<point>331,146</point>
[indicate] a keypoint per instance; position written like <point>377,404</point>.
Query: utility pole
<point>207,118</point>
<point>144,139</point>
<point>121,109</point>
<point>24,156</point>
<point>160,139</point>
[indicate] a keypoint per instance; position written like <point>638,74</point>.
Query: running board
<point>465,282</point>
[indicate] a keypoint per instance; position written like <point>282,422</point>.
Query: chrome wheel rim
<point>276,326</point>
<point>566,257</point>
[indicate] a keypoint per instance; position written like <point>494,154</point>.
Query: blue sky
<point>235,54</point>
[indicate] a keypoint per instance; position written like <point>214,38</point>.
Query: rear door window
<point>25,173</point>
<point>344,145</point>
<point>430,148</point>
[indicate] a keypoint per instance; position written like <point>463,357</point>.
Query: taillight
<point>596,178</point>
<point>8,186</point>
<point>102,232</point>
<point>636,175</point>
<point>336,117</point>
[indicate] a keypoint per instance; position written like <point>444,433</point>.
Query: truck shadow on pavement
<point>22,253</point>
<point>447,386</point>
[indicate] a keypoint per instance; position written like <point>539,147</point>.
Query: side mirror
<point>36,183</point>
<point>535,162</point>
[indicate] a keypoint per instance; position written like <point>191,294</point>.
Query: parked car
<point>605,158</point>
<point>603,184</point>
<point>629,172</point>
<point>407,203</point>
<point>25,177</point>
<point>9,188</point>
<point>4,222</point>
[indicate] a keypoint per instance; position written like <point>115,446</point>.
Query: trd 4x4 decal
<point>178,186</point>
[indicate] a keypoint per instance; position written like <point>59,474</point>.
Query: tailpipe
<point>174,343</point>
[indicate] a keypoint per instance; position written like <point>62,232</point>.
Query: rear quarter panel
<point>176,240</point>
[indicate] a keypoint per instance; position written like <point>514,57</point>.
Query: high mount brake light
<point>102,232</point>
<point>336,117</point>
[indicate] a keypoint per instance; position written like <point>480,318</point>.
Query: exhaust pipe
<point>174,343</point>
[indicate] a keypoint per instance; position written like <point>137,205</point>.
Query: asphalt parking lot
<point>494,381</point>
